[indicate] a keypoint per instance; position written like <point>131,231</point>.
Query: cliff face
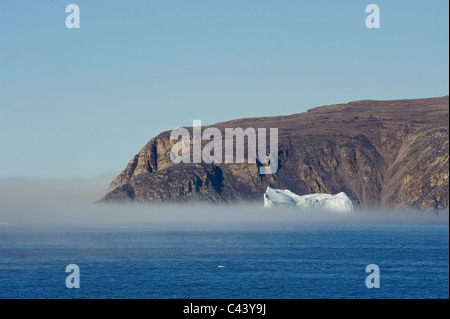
<point>381,153</point>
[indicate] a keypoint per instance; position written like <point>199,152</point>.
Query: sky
<point>79,103</point>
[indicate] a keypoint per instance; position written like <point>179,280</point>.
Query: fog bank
<point>27,202</point>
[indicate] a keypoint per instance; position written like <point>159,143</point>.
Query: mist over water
<point>26,202</point>
<point>174,251</point>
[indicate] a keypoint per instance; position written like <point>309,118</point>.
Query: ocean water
<point>318,260</point>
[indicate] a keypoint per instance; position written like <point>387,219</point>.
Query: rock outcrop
<point>380,153</point>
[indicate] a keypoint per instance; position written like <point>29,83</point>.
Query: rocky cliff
<point>380,153</point>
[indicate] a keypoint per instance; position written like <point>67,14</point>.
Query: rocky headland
<point>380,153</point>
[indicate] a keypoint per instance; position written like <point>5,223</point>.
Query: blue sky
<point>81,102</point>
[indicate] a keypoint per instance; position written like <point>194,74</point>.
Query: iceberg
<point>285,198</point>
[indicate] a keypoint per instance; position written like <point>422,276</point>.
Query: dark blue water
<point>320,261</point>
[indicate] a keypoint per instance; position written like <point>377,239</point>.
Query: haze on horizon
<point>71,204</point>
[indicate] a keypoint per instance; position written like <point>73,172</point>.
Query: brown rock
<point>381,153</point>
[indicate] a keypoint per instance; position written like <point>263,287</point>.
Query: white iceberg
<point>285,198</point>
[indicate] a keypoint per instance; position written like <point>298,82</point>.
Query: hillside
<point>380,153</point>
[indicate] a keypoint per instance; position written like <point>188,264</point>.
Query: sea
<point>372,259</point>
